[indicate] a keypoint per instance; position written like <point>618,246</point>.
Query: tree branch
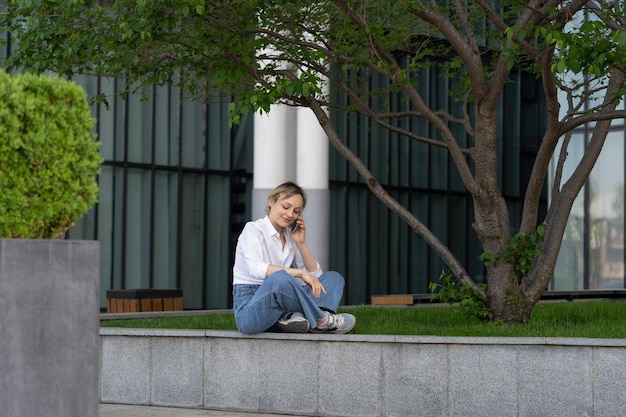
<point>429,237</point>
<point>398,77</point>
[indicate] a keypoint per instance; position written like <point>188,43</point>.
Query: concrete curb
<point>363,375</point>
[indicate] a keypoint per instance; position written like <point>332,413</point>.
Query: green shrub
<point>49,159</point>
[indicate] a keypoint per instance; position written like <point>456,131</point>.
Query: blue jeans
<point>258,307</point>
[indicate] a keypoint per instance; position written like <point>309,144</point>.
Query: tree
<point>49,159</point>
<point>264,52</point>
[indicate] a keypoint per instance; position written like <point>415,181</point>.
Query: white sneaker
<point>337,323</point>
<point>293,322</point>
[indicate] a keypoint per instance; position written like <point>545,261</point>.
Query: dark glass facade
<point>176,184</point>
<point>377,251</point>
<point>592,252</point>
<point>174,193</point>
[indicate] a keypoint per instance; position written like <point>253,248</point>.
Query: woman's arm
<point>298,237</point>
<point>309,279</point>
<point>310,263</point>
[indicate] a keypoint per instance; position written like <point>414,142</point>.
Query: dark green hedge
<point>49,159</point>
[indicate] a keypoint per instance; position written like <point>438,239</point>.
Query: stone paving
<point>122,410</point>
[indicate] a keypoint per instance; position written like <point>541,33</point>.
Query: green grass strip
<point>594,319</point>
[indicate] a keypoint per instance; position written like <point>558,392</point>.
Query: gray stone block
<point>231,374</point>
<point>482,380</point>
<point>555,381</point>
<point>349,379</point>
<point>49,321</point>
<point>609,377</point>
<point>414,380</point>
<point>177,372</point>
<point>288,376</point>
<point>125,377</point>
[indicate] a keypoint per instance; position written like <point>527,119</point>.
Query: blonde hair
<point>286,189</point>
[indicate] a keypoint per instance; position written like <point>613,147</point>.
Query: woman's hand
<point>314,283</point>
<point>298,235</point>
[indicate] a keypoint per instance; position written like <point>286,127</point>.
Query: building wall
<point>174,193</point>
<point>376,250</point>
<point>176,188</point>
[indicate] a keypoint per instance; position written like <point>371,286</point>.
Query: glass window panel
<point>420,173</point>
<point>475,267</point>
<point>165,229</point>
<point>378,238</point>
<point>420,272</point>
<point>606,216</point>
<point>119,108</point>
<point>218,248</point>
<point>398,149</point>
<point>242,152</point>
<point>419,166</point>
<point>106,121</point>
<point>360,145</point>
<point>457,218</point>
<point>438,168</point>
<point>192,134</point>
<point>139,130</point>
<point>438,156</point>
<point>575,151</point>
<point>403,166</point>
<point>395,159</point>
<point>356,270</point>
<point>105,230</point>
<point>85,227</point>
<point>192,245</point>
<point>510,162</point>
<point>338,226</point>
<point>337,163</point>
<point>456,183</point>
<point>166,126</point>
<point>137,230</point>
<point>218,156</point>
<point>379,158</point>
<point>117,231</point>
<point>399,255</point>
<point>88,83</point>
<point>569,269</point>
<point>438,224</point>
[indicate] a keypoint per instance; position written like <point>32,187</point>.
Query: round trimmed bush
<point>49,159</point>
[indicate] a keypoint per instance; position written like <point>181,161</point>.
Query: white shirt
<point>259,246</point>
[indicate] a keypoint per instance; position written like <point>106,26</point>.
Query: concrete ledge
<point>363,375</point>
<point>49,298</point>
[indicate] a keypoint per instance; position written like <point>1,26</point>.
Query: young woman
<point>276,279</point>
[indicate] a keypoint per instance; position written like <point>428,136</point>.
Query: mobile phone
<point>294,226</point>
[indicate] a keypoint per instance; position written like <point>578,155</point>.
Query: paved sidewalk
<point>121,410</point>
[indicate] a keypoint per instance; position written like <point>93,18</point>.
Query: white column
<point>274,154</point>
<point>312,175</point>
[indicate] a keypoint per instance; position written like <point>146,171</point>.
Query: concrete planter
<point>49,321</point>
<point>361,375</point>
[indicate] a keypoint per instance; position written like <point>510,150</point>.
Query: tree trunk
<point>507,302</point>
